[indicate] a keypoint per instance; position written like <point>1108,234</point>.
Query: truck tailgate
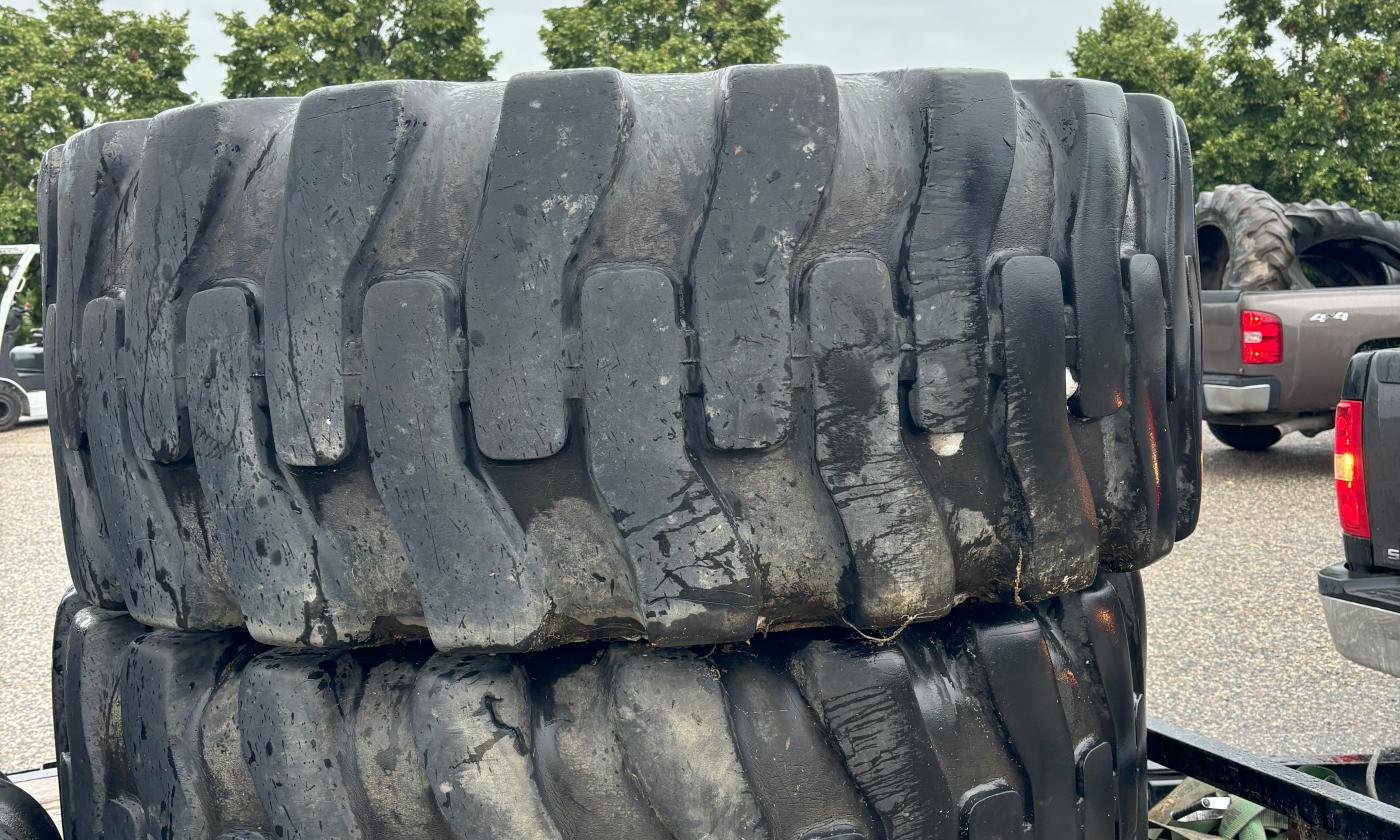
<point>1321,328</point>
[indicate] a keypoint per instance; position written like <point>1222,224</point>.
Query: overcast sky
<point>1022,37</point>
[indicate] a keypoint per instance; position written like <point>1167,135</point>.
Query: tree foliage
<point>71,66</point>
<point>662,36</point>
<point>1297,97</point>
<point>300,45</point>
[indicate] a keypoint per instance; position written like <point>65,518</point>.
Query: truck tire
<point>1246,438</point>
<point>995,720</point>
<point>21,818</point>
<point>1339,245</point>
<point>753,350</point>
<point>1245,239</point>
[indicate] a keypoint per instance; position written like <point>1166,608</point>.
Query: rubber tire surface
<point>994,721</point>
<point>1257,236</point>
<point>1318,224</point>
<point>1246,438</point>
<point>11,406</point>
<point>21,818</point>
<point>593,356</point>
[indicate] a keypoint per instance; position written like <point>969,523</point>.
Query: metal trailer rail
<point>1315,809</point>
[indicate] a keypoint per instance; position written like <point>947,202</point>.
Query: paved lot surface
<point>1238,646</point>
<point>33,576</point>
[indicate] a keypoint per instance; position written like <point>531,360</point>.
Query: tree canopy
<point>1297,97</point>
<point>71,66</point>
<point>300,45</point>
<point>662,36</point>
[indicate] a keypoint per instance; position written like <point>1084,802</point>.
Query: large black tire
<point>751,350</point>
<point>1246,438</point>
<point>1339,245</point>
<point>994,717</point>
<point>21,818</point>
<point>1245,240</point>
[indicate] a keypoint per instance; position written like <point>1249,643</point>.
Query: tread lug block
<point>1154,457</point>
<point>1063,547</point>
<point>994,815</point>
<point>673,724</point>
<point>903,566</point>
<point>778,137</point>
<point>799,778</point>
<point>482,585</point>
<point>1189,466</point>
<point>695,580</point>
<point>866,701</point>
<point>302,578</point>
<point>169,679</point>
<point>93,772</point>
<point>1111,651</point>
<point>558,146</point>
<point>93,183</point>
<point>578,759</point>
<point>46,204</point>
<point>472,718</point>
<point>207,193</point>
<point>1021,676</point>
<point>1089,121</point>
<point>321,258</point>
<point>296,741</point>
<point>971,125</point>
<point>174,571</point>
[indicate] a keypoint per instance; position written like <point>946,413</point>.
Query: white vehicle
<point>21,366</point>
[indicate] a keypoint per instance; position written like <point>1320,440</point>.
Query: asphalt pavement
<point>1237,643</point>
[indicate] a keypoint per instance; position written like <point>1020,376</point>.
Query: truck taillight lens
<point>1261,338</point>
<point>1350,471</point>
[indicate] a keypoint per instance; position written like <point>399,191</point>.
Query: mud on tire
<point>1245,239</point>
<point>996,717</point>
<point>592,356</point>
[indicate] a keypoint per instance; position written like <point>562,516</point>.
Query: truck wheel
<point>593,356</point>
<point>996,716</point>
<point>1246,438</point>
<point>21,818</point>
<point>1245,240</point>
<point>1339,245</point>
<point>11,406</point>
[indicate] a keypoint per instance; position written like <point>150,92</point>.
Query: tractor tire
<point>996,720</point>
<point>1245,240</point>
<point>21,818</point>
<point>1339,245</point>
<point>589,356</point>
<point>11,406</point>
<point>1246,438</point>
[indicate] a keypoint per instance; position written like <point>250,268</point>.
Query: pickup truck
<point>1274,360</point>
<point>1361,596</point>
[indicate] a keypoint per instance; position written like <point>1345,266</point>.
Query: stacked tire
<point>1250,240</point>
<point>761,453</point>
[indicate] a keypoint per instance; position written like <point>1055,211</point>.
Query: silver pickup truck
<point>1274,361</point>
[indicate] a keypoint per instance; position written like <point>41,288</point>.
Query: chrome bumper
<point>1236,399</point>
<point>1363,616</point>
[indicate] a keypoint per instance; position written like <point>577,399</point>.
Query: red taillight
<point>1261,338</point>
<point>1350,471</point>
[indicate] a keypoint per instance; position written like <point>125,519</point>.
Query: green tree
<point>300,45</point>
<point>1297,97</point>
<point>73,65</point>
<point>662,36</point>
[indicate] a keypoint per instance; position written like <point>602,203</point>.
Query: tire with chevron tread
<point>588,356</point>
<point>997,721</point>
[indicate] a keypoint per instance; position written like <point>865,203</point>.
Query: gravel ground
<point>1238,646</point>
<point>33,577</point>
